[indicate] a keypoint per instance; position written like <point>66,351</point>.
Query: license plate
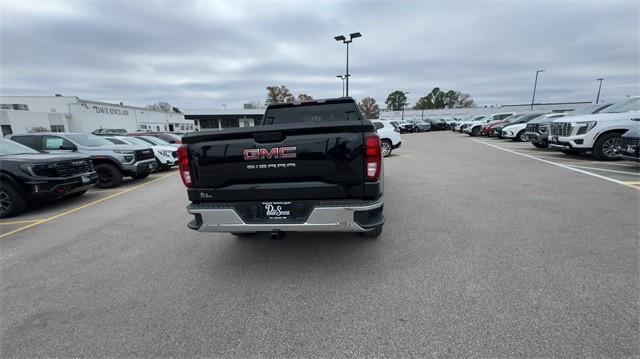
<point>85,179</point>
<point>276,210</point>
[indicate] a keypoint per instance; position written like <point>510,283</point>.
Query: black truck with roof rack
<point>309,166</point>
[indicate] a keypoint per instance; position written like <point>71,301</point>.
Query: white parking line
<point>602,169</point>
<point>564,158</point>
<point>557,164</point>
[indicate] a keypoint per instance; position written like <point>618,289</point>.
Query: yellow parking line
<point>83,206</point>
<point>20,222</point>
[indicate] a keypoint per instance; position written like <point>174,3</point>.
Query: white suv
<point>389,136</point>
<point>599,133</point>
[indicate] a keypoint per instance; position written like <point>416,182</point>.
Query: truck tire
<point>374,233</point>
<point>540,145</point>
<point>109,176</point>
<point>140,175</point>
<point>475,131</point>
<point>605,148</point>
<point>11,201</point>
<point>387,147</point>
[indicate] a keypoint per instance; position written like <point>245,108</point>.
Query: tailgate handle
<point>266,137</point>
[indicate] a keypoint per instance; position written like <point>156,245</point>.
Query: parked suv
<point>111,162</point>
<point>389,136</point>
<point>28,176</point>
<point>517,128</point>
<point>537,130</point>
<point>166,155</point>
<point>599,133</point>
<point>463,124</point>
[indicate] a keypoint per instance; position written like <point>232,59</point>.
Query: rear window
<point>321,113</point>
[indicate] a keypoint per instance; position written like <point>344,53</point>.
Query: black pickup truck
<point>309,166</point>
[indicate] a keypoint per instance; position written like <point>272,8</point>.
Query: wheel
<point>374,233</point>
<point>606,147</point>
<point>540,145</point>
<point>386,147</point>
<point>11,201</point>
<point>109,176</point>
<point>140,175</point>
<point>521,137</point>
<point>475,131</point>
<point>76,194</point>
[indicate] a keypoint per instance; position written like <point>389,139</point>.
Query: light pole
<point>404,103</point>
<point>599,87</point>
<point>535,84</point>
<point>342,77</point>
<point>344,40</point>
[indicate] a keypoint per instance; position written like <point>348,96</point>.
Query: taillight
<point>183,165</point>
<point>373,156</point>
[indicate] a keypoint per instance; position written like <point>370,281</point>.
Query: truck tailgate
<point>293,161</point>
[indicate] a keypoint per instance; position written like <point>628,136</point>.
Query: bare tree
<point>464,100</point>
<point>162,106</point>
<point>277,94</point>
<point>370,107</point>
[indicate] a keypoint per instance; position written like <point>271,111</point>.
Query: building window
<point>57,128</point>
<point>6,130</point>
<point>14,106</point>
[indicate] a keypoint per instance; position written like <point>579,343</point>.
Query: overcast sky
<point>201,55</point>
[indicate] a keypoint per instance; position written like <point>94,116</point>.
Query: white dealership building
<point>24,114</point>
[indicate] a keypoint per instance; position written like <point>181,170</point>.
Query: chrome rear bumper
<point>323,218</point>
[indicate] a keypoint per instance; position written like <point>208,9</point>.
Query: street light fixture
<point>342,77</point>
<point>344,40</point>
<point>599,87</point>
<point>535,84</point>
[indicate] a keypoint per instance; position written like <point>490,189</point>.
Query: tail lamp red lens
<point>373,156</point>
<point>183,165</point>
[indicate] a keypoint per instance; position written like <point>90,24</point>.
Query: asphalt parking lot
<point>491,249</point>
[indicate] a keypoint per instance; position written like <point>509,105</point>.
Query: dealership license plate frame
<point>276,210</point>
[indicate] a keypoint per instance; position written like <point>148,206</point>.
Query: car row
<point>606,131</point>
<point>41,166</point>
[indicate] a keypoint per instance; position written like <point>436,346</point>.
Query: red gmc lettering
<point>273,153</point>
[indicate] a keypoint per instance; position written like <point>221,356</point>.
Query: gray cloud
<point>205,54</point>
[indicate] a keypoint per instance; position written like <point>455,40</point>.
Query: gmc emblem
<point>264,154</point>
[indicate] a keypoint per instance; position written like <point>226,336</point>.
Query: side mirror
<point>68,148</point>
